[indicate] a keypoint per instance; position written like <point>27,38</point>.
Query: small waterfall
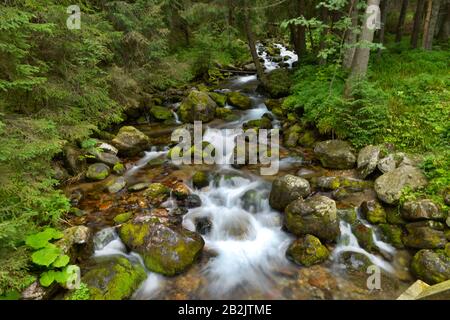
<point>149,155</point>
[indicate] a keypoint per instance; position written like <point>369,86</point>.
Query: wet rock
<point>203,225</point>
<point>73,160</point>
<point>113,278</point>
<point>287,189</point>
<point>425,235</point>
<point>307,251</point>
<point>263,123</point>
<point>334,183</point>
<point>75,197</point>
<point>116,184</point>
<point>161,114</point>
<point>179,211</point>
<point>77,243</point>
<point>422,209</point>
<point>373,211</point>
<point>335,154</point>
<point>180,191</point>
<point>119,168</point>
<point>252,200</point>
<point>308,138</point>
<point>107,158</point>
<point>106,147</point>
<point>139,187</point>
<point>200,179</point>
<point>193,201</point>
<point>157,193</point>
<point>239,100</point>
<point>393,161</point>
<point>364,234</point>
<point>123,217</point>
<point>367,160</point>
<point>348,215</point>
<point>250,67</point>
<point>226,114</point>
<point>273,103</point>
<point>430,266</point>
<point>165,249</point>
<point>130,141</point>
<point>278,84</point>
<point>219,98</point>
<point>393,216</point>
<point>316,215</point>
<point>392,234</point>
<point>97,171</point>
<point>390,185</point>
<point>37,292</point>
<point>292,135</point>
<point>355,261</point>
<point>198,106</point>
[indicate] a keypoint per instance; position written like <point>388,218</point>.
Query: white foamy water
<point>271,65</point>
<point>149,156</point>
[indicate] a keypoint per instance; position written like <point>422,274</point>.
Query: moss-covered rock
<point>273,103</point>
<point>277,83</point>
<point>307,251</point>
<point>335,154</point>
<point>316,215</point>
<point>287,189</point>
<point>292,136</point>
<point>263,123</point>
<point>130,141</point>
<point>239,100</point>
<point>226,114</point>
<point>393,216</point>
<point>219,98</point>
<point>308,139</point>
<point>422,209</point>
<point>367,160</point>
<point>430,266</point>
<point>116,184</point>
<point>157,193</point>
<point>348,215</point>
<point>425,235</point>
<point>197,106</point>
<point>165,249</point>
<point>119,168</point>
<point>113,278</point>
<point>355,261</point>
<point>200,179</point>
<point>392,234</point>
<point>364,234</point>
<point>334,183</point>
<point>161,114</point>
<point>123,217</point>
<point>98,171</point>
<point>373,211</point>
<point>180,191</point>
<point>139,187</point>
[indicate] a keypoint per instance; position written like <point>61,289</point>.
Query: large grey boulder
<point>287,189</point>
<point>197,106</point>
<point>130,141</point>
<point>367,160</point>
<point>335,154</point>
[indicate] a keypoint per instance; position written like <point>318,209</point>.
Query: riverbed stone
<point>431,266</point>
<point>263,123</point>
<point>197,106</point>
<point>422,209</point>
<point>219,98</point>
<point>335,154</point>
<point>113,278</point>
<point>116,184</point>
<point>373,211</point>
<point>367,160</point>
<point>165,249</point>
<point>157,193</point>
<point>392,234</point>
<point>390,185</point>
<point>425,235</point>
<point>316,215</point>
<point>239,100</point>
<point>364,234</point>
<point>130,141</point>
<point>98,171</point>
<point>139,187</point>
<point>200,179</point>
<point>307,251</point>
<point>292,136</point>
<point>192,201</point>
<point>287,189</point>
<point>160,113</point>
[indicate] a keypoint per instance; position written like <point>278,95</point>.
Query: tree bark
<point>444,30</point>
<point>351,36</point>
<point>362,54</point>
<point>401,21</point>
<point>418,17</point>
<point>252,45</point>
<point>301,32</point>
<point>430,23</point>
<point>384,11</point>
<point>322,43</point>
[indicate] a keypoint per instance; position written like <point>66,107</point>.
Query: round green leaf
<point>61,261</point>
<point>46,256</point>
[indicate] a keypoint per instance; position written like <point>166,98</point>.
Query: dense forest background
<point>60,86</point>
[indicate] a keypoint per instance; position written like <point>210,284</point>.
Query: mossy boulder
<point>389,186</point>
<point>119,168</point>
<point>334,183</point>
<point>116,184</point>
<point>157,193</point>
<point>161,114</point>
<point>393,216</point>
<point>365,236</point>
<point>200,179</point>
<point>123,217</point>
<point>367,160</point>
<point>113,278</point>
<point>307,251</point>
<point>425,235</point>
<point>197,106</point>
<point>165,249</point>
<point>292,136</point>
<point>239,100</point>
<point>287,189</point>
<point>219,98</point>
<point>252,200</point>
<point>355,261</point>
<point>431,266</point>
<point>98,171</point>
<point>422,209</point>
<point>335,154</point>
<point>273,103</point>
<point>392,234</point>
<point>308,139</point>
<point>226,114</point>
<point>316,215</point>
<point>277,83</point>
<point>130,141</point>
<point>348,215</point>
<point>104,157</point>
<point>373,211</point>
<point>263,123</point>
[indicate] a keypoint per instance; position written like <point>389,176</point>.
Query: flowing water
<point>244,254</point>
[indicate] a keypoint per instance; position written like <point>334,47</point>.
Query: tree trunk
<point>401,21</point>
<point>384,11</point>
<point>231,13</point>
<point>418,17</point>
<point>444,30</point>
<point>301,32</point>
<point>252,45</point>
<point>362,53</point>
<point>322,44</point>
<point>351,37</point>
<point>430,23</point>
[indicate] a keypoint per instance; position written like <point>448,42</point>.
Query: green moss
<point>307,251</point>
<point>82,293</point>
<point>218,98</point>
<point>134,233</point>
<point>239,100</point>
<point>364,235</point>
<point>373,211</point>
<point>157,193</point>
<point>307,139</point>
<point>200,179</point>
<point>392,234</point>
<point>123,217</point>
<point>348,215</point>
<point>161,113</point>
